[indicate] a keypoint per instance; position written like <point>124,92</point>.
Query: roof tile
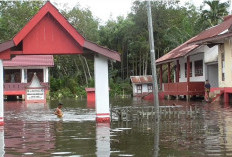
<point>30,60</point>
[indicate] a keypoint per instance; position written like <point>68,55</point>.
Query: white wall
<point>193,58</point>
<point>144,88</point>
<point>211,54</point>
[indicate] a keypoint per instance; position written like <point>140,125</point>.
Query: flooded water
<point>33,130</point>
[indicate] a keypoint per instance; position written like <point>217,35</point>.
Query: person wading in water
<point>58,111</point>
<point>207,90</point>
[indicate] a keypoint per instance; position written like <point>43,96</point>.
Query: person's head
<point>60,105</point>
<point>206,81</point>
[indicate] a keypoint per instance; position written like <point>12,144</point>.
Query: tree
<point>215,14</point>
<point>14,15</point>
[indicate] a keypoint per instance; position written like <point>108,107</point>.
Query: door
<point>212,71</point>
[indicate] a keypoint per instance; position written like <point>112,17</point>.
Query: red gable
<point>49,9</point>
<point>49,33</point>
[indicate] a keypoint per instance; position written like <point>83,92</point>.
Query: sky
<point>108,9</point>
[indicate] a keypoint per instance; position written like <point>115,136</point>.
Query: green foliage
<point>215,14</point>
<point>14,15</point>
<point>120,87</point>
<point>67,87</point>
<point>173,24</point>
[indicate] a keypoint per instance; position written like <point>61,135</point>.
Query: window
<point>139,88</point>
<point>190,69</point>
<point>12,76</point>
<point>198,68</point>
<point>30,74</point>
<point>149,87</point>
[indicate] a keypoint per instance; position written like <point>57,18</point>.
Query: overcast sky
<point>106,9</point>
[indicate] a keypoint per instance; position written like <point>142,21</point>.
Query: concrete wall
<point>211,54</point>
<point>208,55</point>
<point>144,89</point>
<point>193,58</point>
<point>228,65</point>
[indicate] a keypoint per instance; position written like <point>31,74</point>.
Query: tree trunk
<point>87,66</point>
<point>86,78</point>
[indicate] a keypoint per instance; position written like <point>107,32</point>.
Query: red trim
<point>188,69</point>
<point>103,119</point>
<point>161,76</point>
<point>14,92</point>
<point>102,50</point>
<point>103,114</point>
<point>177,71</point>
<point>169,73</point>
<point>100,119</point>
<point>1,121</point>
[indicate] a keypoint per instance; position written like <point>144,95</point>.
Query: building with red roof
<point>220,35</point>
<point>18,72</point>
<point>142,85</point>
<point>195,61</point>
<point>49,33</point>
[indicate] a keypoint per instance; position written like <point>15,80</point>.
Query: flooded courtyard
<point>33,130</point>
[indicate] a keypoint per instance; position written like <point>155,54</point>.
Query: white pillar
<point>44,74</point>
<point>22,75</point>
<point>103,139</point>
<point>101,89</point>
<point>25,75</point>
<point>2,141</point>
<point>47,75</point>
<point>1,94</point>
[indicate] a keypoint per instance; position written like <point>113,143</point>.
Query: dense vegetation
<point>173,24</point>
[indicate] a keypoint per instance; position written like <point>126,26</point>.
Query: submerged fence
<point>148,112</point>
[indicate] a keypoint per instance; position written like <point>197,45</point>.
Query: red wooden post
<point>188,69</point>
<point>177,70</point>
<point>226,97</point>
<point>188,77</point>
<point>169,73</point>
<point>161,76</point>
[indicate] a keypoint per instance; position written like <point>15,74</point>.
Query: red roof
<point>178,52</point>
<point>89,89</point>
<point>141,79</point>
<point>214,31</point>
<point>191,44</point>
<point>35,43</point>
<point>30,60</point>
<point>102,50</point>
<point>52,10</point>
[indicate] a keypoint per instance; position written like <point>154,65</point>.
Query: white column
<point>44,74</point>
<point>22,75</point>
<point>2,141</point>
<point>103,139</point>
<point>25,75</point>
<point>47,74</point>
<point>101,89</point>
<point>1,94</point>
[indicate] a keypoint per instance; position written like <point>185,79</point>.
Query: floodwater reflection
<point>33,130</point>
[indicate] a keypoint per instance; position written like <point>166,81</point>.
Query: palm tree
<point>215,14</point>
